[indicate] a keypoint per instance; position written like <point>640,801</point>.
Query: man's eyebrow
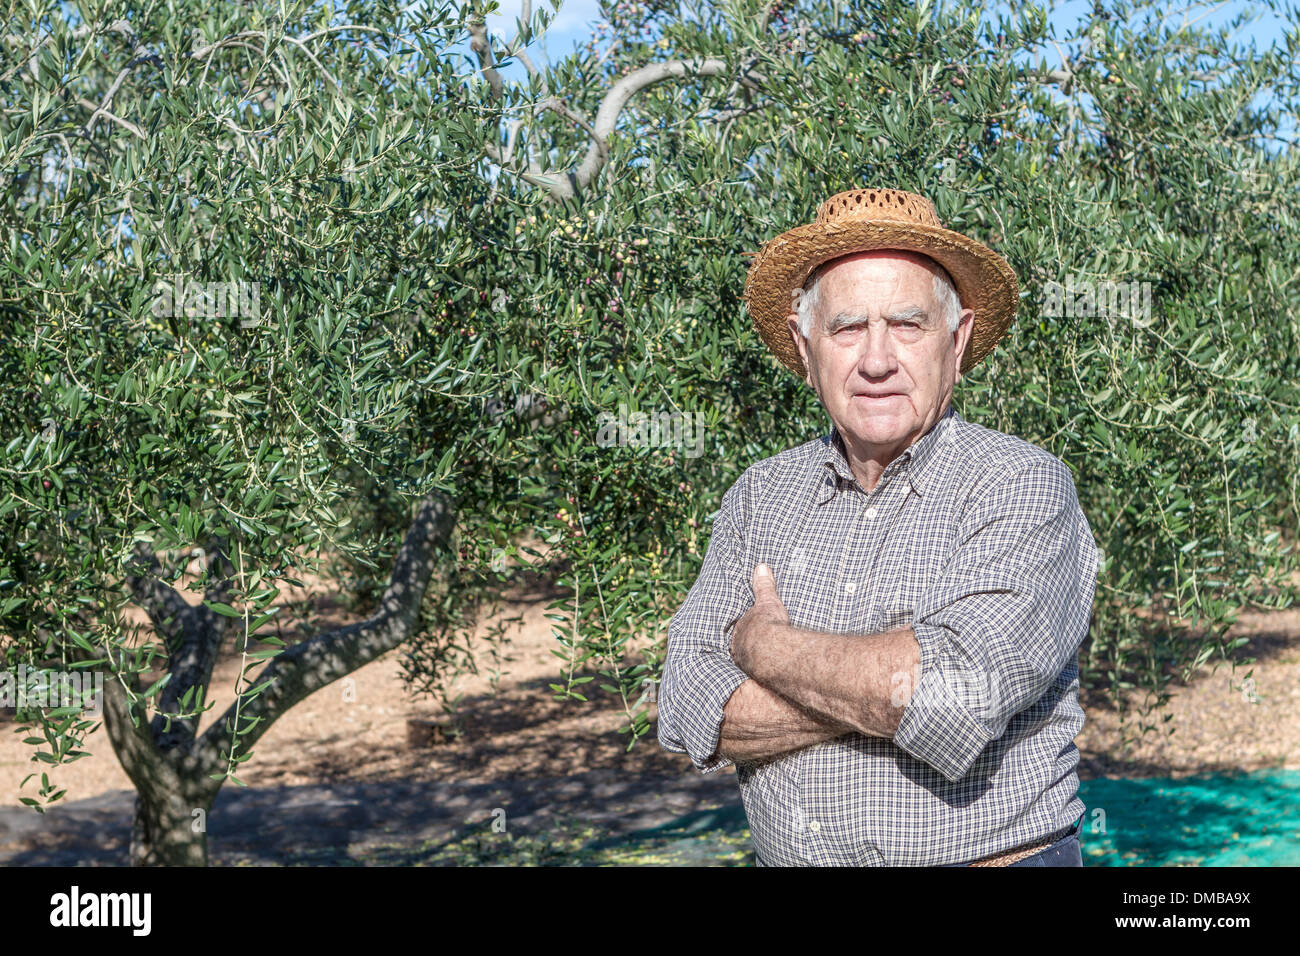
<point>843,319</point>
<point>908,314</point>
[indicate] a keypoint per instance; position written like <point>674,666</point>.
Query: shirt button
<point>814,826</point>
<point>851,588</point>
<point>870,513</point>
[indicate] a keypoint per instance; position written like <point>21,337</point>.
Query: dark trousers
<point>1064,852</point>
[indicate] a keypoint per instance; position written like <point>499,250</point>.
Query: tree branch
<point>307,667</point>
<point>622,91</point>
<point>193,637</point>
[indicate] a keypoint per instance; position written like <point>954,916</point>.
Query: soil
<point>336,781</point>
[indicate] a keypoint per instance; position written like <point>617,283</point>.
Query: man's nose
<point>877,357</point>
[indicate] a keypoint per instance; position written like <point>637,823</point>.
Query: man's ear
<point>792,322</point>
<point>961,336</point>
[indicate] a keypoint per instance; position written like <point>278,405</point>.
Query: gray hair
<point>945,294</point>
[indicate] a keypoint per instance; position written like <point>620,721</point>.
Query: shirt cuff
<point>695,726</point>
<point>936,727</point>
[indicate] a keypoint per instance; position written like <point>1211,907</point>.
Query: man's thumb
<point>764,582</point>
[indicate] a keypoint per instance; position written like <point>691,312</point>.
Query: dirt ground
<point>1219,722</point>
<point>360,732</point>
<point>517,736</point>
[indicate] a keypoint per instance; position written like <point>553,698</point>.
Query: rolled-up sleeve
<point>699,675</point>
<point>1004,618</point>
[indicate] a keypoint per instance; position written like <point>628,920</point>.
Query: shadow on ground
<point>601,819</point>
<point>1209,820</point>
<point>538,820</point>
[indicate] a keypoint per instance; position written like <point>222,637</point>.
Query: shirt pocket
<point>908,569</point>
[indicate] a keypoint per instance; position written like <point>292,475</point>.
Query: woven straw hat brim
<point>985,281</point>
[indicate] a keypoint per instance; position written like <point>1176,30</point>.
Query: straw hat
<point>861,220</point>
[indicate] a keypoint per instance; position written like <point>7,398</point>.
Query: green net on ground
<point>1214,820</point>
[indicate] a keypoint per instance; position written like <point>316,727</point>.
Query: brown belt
<point>1016,854</point>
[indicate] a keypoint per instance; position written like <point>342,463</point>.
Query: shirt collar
<point>916,459</point>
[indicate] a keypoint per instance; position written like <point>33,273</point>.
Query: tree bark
<point>168,832</point>
<point>171,768</point>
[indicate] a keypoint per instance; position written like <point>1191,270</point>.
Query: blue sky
<point>572,26</point>
<point>572,22</point>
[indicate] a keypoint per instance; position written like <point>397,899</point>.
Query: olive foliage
<point>361,290</point>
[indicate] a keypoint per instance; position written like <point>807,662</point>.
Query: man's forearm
<point>849,679</point>
<point>759,723</point>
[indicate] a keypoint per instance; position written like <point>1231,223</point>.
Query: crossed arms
<point>808,686</point>
<point>992,632</point>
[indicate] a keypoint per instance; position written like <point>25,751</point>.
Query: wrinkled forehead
<point>893,266</point>
<point>877,282</point>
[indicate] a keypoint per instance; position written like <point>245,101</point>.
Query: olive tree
<point>498,300</point>
<point>222,314</point>
<point>1128,171</point>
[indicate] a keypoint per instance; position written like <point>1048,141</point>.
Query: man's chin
<point>881,427</point>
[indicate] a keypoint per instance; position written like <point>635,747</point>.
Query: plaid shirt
<point>976,540</point>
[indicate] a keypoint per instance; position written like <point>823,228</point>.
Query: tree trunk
<point>171,766</point>
<point>170,832</point>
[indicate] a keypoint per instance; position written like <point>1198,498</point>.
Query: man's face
<point>879,353</point>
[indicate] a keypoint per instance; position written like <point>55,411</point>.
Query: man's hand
<point>761,622</point>
<point>850,680</point>
<point>759,723</point>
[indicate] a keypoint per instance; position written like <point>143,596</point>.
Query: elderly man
<point>904,691</point>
